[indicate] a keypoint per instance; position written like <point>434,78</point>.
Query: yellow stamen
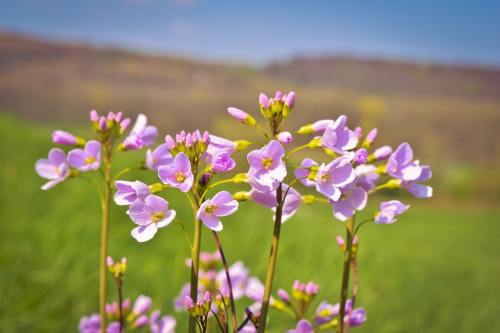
<point>267,162</point>
<point>158,216</point>
<point>180,177</point>
<point>210,208</point>
<point>89,159</point>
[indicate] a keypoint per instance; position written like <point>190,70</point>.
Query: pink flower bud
<point>340,241</point>
<point>382,153</point>
<point>63,138</point>
<point>170,142</point>
<point>285,137</point>
<point>361,156</point>
<point>188,302</point>
<point>102,124</point>
<point>141,321</point>
<point>111,115</point>
<point>263,100</point>
<point>94,116</point>
<point>126,304</point>
<point>283,295</point>
<point>125,123</point>
<point>109,261</point>
<point>278,96</point>
<point>207,298</point>
<point>237,114</point>
<point>119,116</point>
<point>290,99</point>
<point>358,131</point>
<point>371,136</point>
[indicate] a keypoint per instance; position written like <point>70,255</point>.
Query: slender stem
<point>218,321</point>
<point>361,224</point>
<point>121,173</point>
<point>293,151</point>
<point>120,301</point>
<point>272,260</point>
<point>234,318</point>
<point>355,281</point>
<point>104,235</point>
<point>347,268</point>
<point>195,266</point>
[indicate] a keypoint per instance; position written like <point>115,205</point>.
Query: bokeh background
<point>423,72</point>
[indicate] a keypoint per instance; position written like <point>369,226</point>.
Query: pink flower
<point>150,214</point>
<point>210,211</point>
<point>86,159</point>
<point>55,168</point>
<point>178,174</point>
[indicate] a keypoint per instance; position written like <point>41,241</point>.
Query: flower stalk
<point>195,267</point>
<point>273,256</point>
<point>104,234</point>
<point>234,318</point>
<point>348,255</point>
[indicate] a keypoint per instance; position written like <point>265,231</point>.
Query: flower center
<point>211,208</point>
<point>325,178</point>
<point>157,216</point>
<point>180,177</point>
<point>267,162</point>
<point>89,159</point>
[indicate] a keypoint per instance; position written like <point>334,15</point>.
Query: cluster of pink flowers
<point>195,163</point>
<point>138,317</point>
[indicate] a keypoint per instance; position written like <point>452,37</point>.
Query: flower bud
<point>141,305</point>
<point>141,321</point>
<point>102,124</point>
<point>109,261</point>
<point>340,242</point>
<point>290,99</point>
<point>315,143</point>
<point>124,124</point>
<point>263,100</point>
<point>242,116</point>
<point>361,156</point>
<point>283,295</point>
<point>285,137</point>
<point>242,144</point>
<point>382,153</point>
<point>358,131</point>
<point>207,298</point>
<point>371,136</point>
<point>64,138</point>
<point>306,129</point>
<point>111,116</point>
<point>241,196</point>
<point>240,178</point>
<point>155,188</point>
<point>119,116</point>
<point>94,116</point>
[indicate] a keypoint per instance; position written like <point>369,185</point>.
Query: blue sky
<point>261,31</point>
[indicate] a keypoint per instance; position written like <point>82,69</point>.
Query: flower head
<point>150,214</point>
<point>353,197</point>
<point>389,210</point>
<point>90,324</point>
<point>86,159</point>
<point>128,192</point>
<point>158,157</point>
<point>178,174</point>
<point>334,175</point>
<point>303,326</point>
<point>338,137</point>
<point>55,168</point>
<point>165,324</point>
<point>401,165</point>
<point>285,137</point>
<point>307,171</point>
<point>267,168</point>
<point>141,134</point>
<point>211,210</point>
<point>417,189</point>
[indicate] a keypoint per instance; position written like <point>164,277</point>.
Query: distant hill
<point>449,113</point>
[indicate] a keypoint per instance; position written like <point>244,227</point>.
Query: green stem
<point>104,235</point>
<point>195,266</point>
<point>354,290</point>
<point>347,269</point>
<point>120,301</point>
<point>293,151</point>
<point>272,261</point>
<point>234,318</point>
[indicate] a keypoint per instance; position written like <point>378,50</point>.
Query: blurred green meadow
<point>435,270</point>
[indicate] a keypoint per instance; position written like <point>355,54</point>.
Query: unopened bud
<point>241,196</point>
<point>242,144</point>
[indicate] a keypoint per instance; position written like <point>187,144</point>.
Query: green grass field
<point>436,270</point>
